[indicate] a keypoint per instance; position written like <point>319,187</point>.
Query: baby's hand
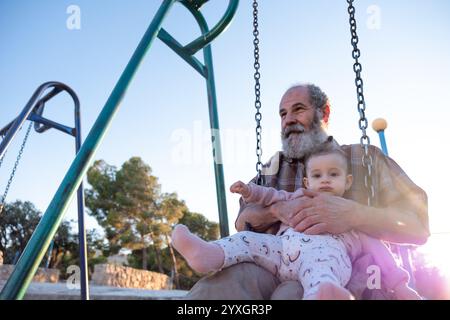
<point>241,188</point>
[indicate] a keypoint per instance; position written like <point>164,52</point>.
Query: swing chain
<point>257,76</point>
<point>4,154</point>
<point>363,123</point>
<point>2,201</point>
<point>1,159</point>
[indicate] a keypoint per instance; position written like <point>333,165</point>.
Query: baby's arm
<point>241,188</point>
<point>266,196</point>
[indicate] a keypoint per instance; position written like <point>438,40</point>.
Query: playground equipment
<point>27,265</point>
<point>33,112</point>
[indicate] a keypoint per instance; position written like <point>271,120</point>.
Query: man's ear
<point>305,182</point>
<point>348,182</point>
<point>326,113</point>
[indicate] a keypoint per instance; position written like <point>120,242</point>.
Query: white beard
<point>298,145</point>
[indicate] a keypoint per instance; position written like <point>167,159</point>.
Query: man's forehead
<point>295,95</point>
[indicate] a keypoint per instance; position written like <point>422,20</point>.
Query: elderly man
<point>399,213</point>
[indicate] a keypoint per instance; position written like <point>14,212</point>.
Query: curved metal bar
<point>39,110</point>
<point>196,3</point>
<point>43,124</point>
<point>33,112</point>
<point>40,105</point>
<point>209,36</point>
<point>12,128</point>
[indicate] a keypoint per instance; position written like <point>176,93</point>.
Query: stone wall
<point>125,277</point>
<point>42,275</point>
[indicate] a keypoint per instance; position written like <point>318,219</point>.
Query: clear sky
<point>164,116</point>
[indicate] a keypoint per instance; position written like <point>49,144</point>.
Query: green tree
<point>124,202</point>
<point>200,225</point>
<point>18,221</point>
<point>163,262</point>
<point>63,257</point>
<point>205,229</point>
<point>65,246</point>
<point>170,210</point>
<point>128,204</point>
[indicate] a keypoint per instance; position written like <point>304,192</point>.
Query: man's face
<point>300,124</point>
<point>295,108</point>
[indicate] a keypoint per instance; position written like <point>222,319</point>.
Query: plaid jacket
<point>392,186</point>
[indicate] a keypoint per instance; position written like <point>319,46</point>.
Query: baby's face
<point>328,173</point>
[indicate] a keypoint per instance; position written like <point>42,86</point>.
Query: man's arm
<point>393,224</point>
<point>402,213</point>
<point>330,214</point>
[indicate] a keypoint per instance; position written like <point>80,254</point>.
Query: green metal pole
<point>217,149</point>
<point>214,125</point>
<point>207,71</point>
<point>35,250</point>
<point>207,35</point>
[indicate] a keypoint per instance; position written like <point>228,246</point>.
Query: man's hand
<point>323,213</point>
<point>285,211</point>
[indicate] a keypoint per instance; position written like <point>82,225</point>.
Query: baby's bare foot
<point>201,255</point>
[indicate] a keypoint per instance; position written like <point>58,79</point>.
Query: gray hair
<point>317,97</point>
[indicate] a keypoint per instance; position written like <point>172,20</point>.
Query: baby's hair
<point>328,147</point>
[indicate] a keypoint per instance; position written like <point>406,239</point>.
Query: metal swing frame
<point>33,112</point>
<point>18,282</point>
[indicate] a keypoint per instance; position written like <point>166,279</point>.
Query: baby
<point>321,263</point>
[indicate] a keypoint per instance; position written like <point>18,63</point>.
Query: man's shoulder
<point>271,167</point>
<point>356,148</point>
<point>275,157</point>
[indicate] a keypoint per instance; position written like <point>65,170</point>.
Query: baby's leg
<point>330,291</point>
<point>262,249</point>
<point>325,268</point>
<point>201,255</point>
